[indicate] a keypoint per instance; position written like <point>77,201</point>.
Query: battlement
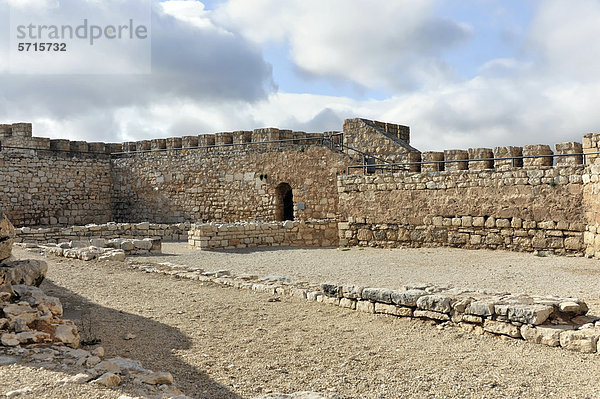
<point>21,135</point>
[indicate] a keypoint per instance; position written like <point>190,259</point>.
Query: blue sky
<point>461,73</point>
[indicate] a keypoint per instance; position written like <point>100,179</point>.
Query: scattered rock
<point>156,378</point>
<point>108,380</point>
<point>18,393</point>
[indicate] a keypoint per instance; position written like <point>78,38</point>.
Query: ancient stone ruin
<point>28,315</point>
<point>365,186</point>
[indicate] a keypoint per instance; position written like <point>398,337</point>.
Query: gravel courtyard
<point>221,342</point>
<point>498,271</point>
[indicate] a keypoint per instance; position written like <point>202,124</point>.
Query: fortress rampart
<point>381,190</point>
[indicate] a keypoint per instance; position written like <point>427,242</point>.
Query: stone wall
<point>226,185</point>
<point>387,141</point>
<point>524,209</point>
<point>313,233</point>
<point>42,189</point>
<point>166,232</point>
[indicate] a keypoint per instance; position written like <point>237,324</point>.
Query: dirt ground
<point>220,342</point>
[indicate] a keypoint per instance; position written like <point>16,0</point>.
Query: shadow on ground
<point>153,347</point>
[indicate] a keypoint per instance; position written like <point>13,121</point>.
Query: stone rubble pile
<point>548,320</point>
<point>91,367</point>
<point>27,315</point>
<point>99,248</point>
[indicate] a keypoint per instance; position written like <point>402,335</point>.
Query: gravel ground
<point>221,342</point>
<point>498,271</point>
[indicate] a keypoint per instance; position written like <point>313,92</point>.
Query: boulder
<point>27,272</point>
<point>7,235</point>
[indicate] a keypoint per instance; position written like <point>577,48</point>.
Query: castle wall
<point>524,209</point>
<point>226,185</point>
<point>42,188</point>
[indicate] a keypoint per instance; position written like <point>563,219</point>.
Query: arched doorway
<point>284,205</point>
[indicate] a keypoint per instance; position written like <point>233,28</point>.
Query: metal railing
<point>207,148</point>
<point>72,152</point>
<point>441,164</point>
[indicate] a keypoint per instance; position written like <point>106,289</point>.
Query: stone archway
<point>284,203</point>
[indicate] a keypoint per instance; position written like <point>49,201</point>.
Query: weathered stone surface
<point>498,327</point>
<point>108,380</point>
<point>68,335</point>
<point>156,378</point>
<point>436,303</point>
<point>382,295</point>
<point>468,318</point>
<point>7,235</point>
<point>365,306</point>
<point>545,335</point>
<point>332,290</point>
<point>352,291</point>
<point>529,314</point>
<point>407,298</point>
<point>584,341</point>
<point>392,310</point>
<point>428,314</point>
<point>8,339</point>
<point>481,308</point>
<point>347,303</point>
<point>575,307</point>
<point>27,272</point>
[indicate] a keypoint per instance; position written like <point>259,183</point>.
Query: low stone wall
<point>317,233</point>
<point>166,232</point>
<point>551,321</point>
<point>115,249</point>
<point>471,232</point>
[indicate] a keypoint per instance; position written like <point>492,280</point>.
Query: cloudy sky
<point>460,73</point>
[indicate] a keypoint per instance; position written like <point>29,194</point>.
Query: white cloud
<point>375,43</point>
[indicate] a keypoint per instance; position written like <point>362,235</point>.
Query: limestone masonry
<point>366,184</point>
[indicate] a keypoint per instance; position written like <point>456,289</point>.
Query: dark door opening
<point>285,203</point>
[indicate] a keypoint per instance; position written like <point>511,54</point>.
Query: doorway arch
<point>284,203</point>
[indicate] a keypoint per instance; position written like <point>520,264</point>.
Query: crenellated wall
<point>518,198</point>
<point>226,186</point>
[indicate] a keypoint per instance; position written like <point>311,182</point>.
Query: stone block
<point>365,306</point>
<point>206,140</point>
<point>382,295</point>
<point>428,314</point>
<point>414,157</point>
<point>584,341</point>
<point>433,161</point>
<point>529,314</point>
<point>407,298</point>
<point>567,148</point>
<point>481,308</point>
<point>545,335</point>
<point>22,130</point>
<point>352,291</point>
<point>189,141</point>
<point>224,138</point>
<point>498,327</point>
<point>450,156</point>
<point>436,303</point>
<point>543,153</point>
<point>60,145</point>
<point>348,303</point>
<point>174,142</point>
<point>481,153</point>
<point>504,157</point>
<point>158,144</point>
